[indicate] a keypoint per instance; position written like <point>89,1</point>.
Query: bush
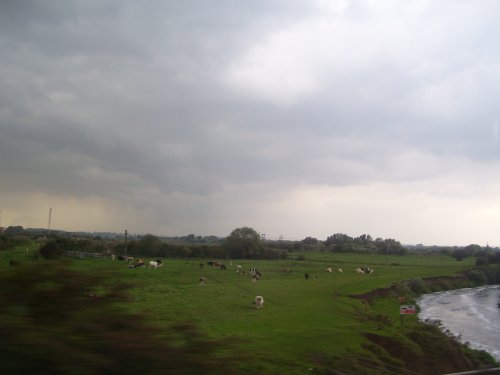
<point>51,250</point>
<point>478,277</point>
<point>417,285</point>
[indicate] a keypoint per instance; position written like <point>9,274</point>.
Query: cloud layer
<point>296,118</point>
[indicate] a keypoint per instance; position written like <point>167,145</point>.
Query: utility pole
<point>50,217</point>
<point>126,243</point>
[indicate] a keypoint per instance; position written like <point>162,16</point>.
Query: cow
<point>159,263</point>
<point>328,269</point>
<point>153,264</point>
<point>137,265</point>
<point>202,281</point>
<point>340,270</point>
<point>363,270</point>
<point>259,302</point>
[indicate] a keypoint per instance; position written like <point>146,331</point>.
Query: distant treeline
<point>242,242</point>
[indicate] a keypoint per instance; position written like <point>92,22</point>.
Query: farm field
<point>301,319</point>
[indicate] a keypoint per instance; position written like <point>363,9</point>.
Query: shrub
<point>417,285</point>
<point>478,277</point>
<point>51,250</point>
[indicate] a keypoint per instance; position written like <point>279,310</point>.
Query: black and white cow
<point>363,270</point>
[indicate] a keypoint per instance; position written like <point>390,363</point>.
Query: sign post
<point>406,310</point>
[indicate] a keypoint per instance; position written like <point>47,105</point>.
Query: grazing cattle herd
<point>255,274</point>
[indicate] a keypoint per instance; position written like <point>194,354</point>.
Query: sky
<point>296,118</point>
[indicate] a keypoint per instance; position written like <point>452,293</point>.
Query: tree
<point>186,251</point>
<point>364,239</point>
<point>338,239</point>
<point>471,250</point>
<point>392,246</point>
<point>310,241</point>
<point>243,242</point>
<point>149,245</point>
<point>14,231</point>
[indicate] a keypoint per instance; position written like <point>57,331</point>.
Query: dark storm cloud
<point>115,99</point>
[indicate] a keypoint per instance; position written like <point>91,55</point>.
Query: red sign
<point>407,309</point>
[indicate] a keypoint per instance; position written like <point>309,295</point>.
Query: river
<point>471,314</point>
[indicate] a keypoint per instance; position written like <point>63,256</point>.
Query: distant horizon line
<point>264,236</point>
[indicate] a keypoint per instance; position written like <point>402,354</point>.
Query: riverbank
<point>418,347</point>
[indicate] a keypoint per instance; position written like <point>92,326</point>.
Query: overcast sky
<point>296,118</point>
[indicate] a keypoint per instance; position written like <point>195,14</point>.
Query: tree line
<point>244,242</point>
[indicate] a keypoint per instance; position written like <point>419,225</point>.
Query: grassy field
<point>301,319</point>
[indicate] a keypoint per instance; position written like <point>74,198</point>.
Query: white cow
<point>340,270</point>
<point>259,302</point>
<point>329,269</point>
<point>153,264</point>
<point>359,271</point>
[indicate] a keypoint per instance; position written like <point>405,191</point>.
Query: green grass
<point>300,317</point>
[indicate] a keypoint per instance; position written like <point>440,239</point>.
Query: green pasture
<point>301,319</point>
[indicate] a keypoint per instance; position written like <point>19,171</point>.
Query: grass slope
<point>302,320</point>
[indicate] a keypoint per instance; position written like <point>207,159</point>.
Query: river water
<point>471,314</point>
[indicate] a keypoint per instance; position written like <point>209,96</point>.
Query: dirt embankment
<point>430,284</point>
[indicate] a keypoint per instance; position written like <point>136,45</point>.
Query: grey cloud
<point>115,98</point>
